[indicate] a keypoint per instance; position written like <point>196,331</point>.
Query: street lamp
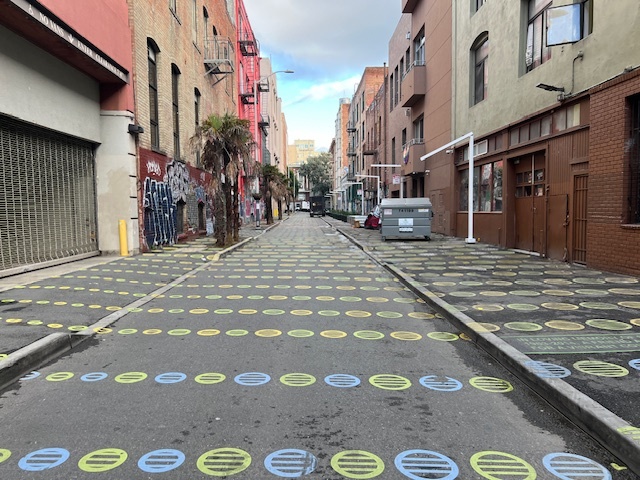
<point>362,201</point>
<point>391,165</point>
<point>373,176</point>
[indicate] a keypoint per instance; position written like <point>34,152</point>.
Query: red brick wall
<point>612,244</point>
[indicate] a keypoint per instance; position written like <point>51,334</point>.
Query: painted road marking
<point>390,382</point>
<point>342,380</point>
<point>600,368</point>
<point>224,462</point>
<point>499,465</point>
<point>291,463</point>
<point>170,377</point>
<point>252,379</point>
<point>161,461</point>
<point>547,370</point>
<point>102,460</point>
<point>491,384</point>
<point>298,379</point>
<point>94,376</point>
<point>43,459</point>
<point>421,464</point>
<point>567,466</point>
<point>357,464</point>
<point>448,385</point>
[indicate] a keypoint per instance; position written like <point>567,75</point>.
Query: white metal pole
<point>470,237</point>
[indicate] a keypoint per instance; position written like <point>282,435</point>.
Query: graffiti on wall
<point>175,200</point>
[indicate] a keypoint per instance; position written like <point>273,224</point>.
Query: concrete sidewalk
<point>572,334</point>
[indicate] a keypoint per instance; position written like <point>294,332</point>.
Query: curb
<point>612,432</point>
<point>52,346</point>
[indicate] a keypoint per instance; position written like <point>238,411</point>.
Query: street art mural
<point>176,200</point>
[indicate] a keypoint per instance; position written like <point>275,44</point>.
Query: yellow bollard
<point>122,229</point>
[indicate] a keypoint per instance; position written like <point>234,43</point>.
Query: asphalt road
<point>295,356</point>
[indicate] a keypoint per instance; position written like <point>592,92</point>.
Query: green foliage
<point>318,170</point>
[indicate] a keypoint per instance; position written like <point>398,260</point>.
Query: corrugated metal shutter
<point>47,195</point>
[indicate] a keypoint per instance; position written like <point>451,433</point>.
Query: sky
<point>327,43</point>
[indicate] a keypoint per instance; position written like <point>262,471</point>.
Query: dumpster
<point>406,218</point>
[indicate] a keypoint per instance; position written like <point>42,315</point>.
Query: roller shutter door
<point>47,196</point>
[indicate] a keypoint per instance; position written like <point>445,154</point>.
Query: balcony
<point>218,55</point>
<point>411,153</point>
<point>248,46</point>
<point>414,85</point>
<point>350,127</point>
<point>351,152</point>
<point>263,122</point>
<point>369,148</point>
<point>408,6</point>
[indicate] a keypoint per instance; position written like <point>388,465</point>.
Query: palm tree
<point>274,184</point>
<point>225,142</point>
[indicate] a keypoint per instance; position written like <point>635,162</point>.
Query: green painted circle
<point>351,299</point>
<point>523,326</point>
<point>525,293</point>
<point>599,305</point>
<point>77,328</point>
<point>358,314</point>
<point>237,333</point>
<point>35,322</point>
<point>421,315</point>
<point>357,464</point>
<point>102,460</point>
<point>606,324</point>
<point>301,297</point>
<point>523,307</point>
<point>443,336</point>
<point>491,384</point>
<point>406,336</point>
<point>297,379</point>
<point>390,314</point>
<point>560,306</point>
<point>329,313</point>
<point>210,378</point>
<point>223,311</point>
<point>301,313</point>
<point>208,332</point>
<point>462,294</point>
<point>127,331</point>
<point>273,311</point>
<point>255,297</point>
<point>268,333</point>
<point>300,333</point>
<point>215,297</point>
<point>178,332</point>
<point>390,382</point>
<point>325,298</point>
<point>368,335</point>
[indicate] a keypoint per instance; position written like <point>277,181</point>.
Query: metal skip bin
<point>406,218</point>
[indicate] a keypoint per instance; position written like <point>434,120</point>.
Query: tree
<point>275,187</point>
<point>225,143</point>
<point>318,171</point>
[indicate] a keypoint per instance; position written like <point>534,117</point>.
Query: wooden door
<point>530,203</point>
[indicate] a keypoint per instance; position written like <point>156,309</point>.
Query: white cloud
<point>328,90</point>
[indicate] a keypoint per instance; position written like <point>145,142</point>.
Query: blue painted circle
<point>342,380</point>
<point>170,377</point>
<point>94,376</point>
<point>448,385</point>
<point>635,363</point>
<point>31,376</point>
<point>43,459</point>
<point>290,463</point>
<point>421,464</point>
<point>160,461</point>
<point>568,466</point>
<point>547,370</point>
<point>252,379</point>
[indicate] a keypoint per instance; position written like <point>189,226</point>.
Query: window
<point>175,75</point>
<point>537,52</point>
<point>205,15</point>
<point>196,109</point>
<point>634,160</point>
<point>194,21</point>
<point>397,91</point>
<point>418,129</point>
<point>418,48</point>
<point>391,93</point>
<point>487,187</point>
<point>480,52</point>
<point>476,4</point>
<point>152,54</point>
<point>569,23</point>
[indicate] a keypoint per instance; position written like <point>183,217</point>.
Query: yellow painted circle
<point>525,293</point>
<point>404,300</point>
<point>635,305</point>
<point>421,315</point>
<point>278,297</point>
<point>357,464</point>
<point>377,299</point>
<point>333,334</point>
<point>127,331</point>
<point>625,291</point>
<point>390,382</point>
<point>462,294</point>
<point>443,336</point>
<point>492,293</point>
<point>302,298</point>
<point>635,321</point>
<point>208,332</point>
<point>351,299</point>
<point>215,297</point>
<point>358,314</point>
<point>55,325</point>
<point>301,313</point>
<point>13,320</point>
<point>4,454</point>
<point>409,336</point>
<point>298,379</point>
<point>223,462</point>
<point>491,384</point>
<point>3,356</point>
<point>523,326</point>
<point>152,331</point>
<point>102,330</point>
<point>223,311</point>
<point>131,377</point>
<point>329,313</point>
<point>488,307</point>
<point>522,307</point>
<point>268,333</point>
<point>247,311</point>
<point>325,298</point>
<point>77,305</point>
<point>59,376</point>
<point>465,337</point>
<point>599,305</point>
<point>102,460</point>
<point>389,314</point>
<point>605,324</point>
<point>237,333</point>
<point>178,332</point>
<point>601,369</point>
<point>35,322</point>
<point>198,311</point>
<point>210,378</point>
<point>483,327</point>
<point>564,325</point>
<point>42,302</point>
<point>151,310</point>
<point>368,335</point>
<point>300,333</point>
<point>500,465</point>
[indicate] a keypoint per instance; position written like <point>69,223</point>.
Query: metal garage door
<point>47,196</point>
